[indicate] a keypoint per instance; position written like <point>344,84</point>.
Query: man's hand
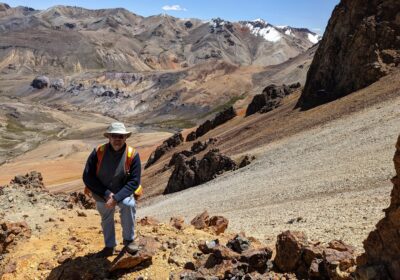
<point>110,201</point>
<point>87,192</point>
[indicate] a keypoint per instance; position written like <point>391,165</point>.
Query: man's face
<point>117,141</point>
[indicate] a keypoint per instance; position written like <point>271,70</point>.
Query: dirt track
<point>336,177</point>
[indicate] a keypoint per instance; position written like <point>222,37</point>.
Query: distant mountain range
<point>74,39</point>
<point>155,68</point>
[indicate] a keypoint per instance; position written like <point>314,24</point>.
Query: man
<point>112,177</point>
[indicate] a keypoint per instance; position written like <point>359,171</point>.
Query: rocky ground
<point>46,236</point>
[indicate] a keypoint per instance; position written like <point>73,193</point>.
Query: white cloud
<point>173,8</point>
<point>316,29</point>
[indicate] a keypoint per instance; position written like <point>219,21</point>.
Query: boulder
<point>167,145</point>
<point>200,221</point>
<point>257,259</point>
<point>40,82</point>
<point>289,249</point>
<point>127,261</point>
<point>338,263</point>
<point>239,243</point>
<point>218,224</point>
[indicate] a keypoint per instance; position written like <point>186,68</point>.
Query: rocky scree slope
<point>360,45</point>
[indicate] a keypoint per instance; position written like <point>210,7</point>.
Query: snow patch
<point>269,33</point>
<point>313,38</point>
<point>260,20</point>
<point>289,32</point>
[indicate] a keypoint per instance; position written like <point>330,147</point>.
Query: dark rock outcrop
<point>198,147</point>
<point>212,164</point>
<point>382,247</point>
<point>167,145</point>
<point>57,84</point>
<point>188,24</point>
<point>208,125</point>
<point>191,136</point>
<point>270,98</point>
<point>183,176</point>
<point>40,82</point>
<point>190,173</point>
<point>360,45</point>
<point>246,161</point>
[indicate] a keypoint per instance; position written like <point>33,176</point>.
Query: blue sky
<point>313,14</point>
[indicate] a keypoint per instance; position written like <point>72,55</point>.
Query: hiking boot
<point>105,252</point>
<point>132,248</point>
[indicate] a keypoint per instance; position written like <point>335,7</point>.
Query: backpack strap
<point>130,154</point>
<point>100,151</point>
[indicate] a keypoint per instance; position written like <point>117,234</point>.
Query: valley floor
<point>331,181</point>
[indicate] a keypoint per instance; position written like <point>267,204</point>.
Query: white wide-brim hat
<point>117,128</point>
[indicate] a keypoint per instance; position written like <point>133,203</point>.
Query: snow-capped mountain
<point>269,32</point>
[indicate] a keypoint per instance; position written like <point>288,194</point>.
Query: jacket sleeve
<point>133,180</point>
<point>89,176</point>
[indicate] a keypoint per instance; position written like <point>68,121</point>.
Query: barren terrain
<point>333,177</point>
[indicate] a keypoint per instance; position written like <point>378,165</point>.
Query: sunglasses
<point>117,136</point>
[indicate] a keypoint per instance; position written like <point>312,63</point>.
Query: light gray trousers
<point>127,215</point>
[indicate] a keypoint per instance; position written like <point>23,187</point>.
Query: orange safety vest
<point>130,154</point>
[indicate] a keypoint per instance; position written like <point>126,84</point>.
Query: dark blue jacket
<point>93,183</point>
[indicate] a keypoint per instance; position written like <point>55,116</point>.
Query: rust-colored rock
<point>257,259</point>
<point>177,222</point>
<point>218,224</point>
<point>339,260</point>
<point>148,221</point>
<point>382,247</point>
<point>126,261</point>
<point>11,233</point>
<point>200,221</point>
<point>289,249</point>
